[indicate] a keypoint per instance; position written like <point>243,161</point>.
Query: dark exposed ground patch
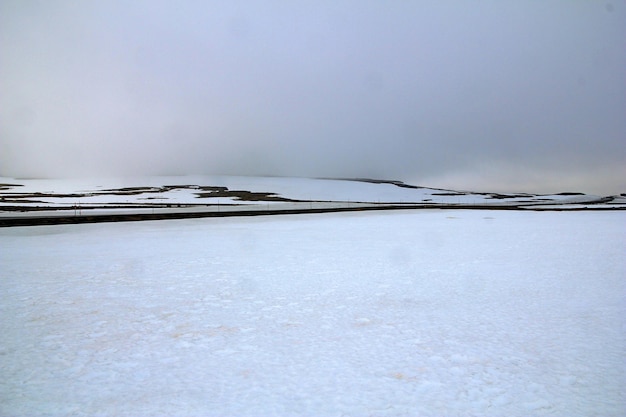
<point>7,186</point>
<point>449,194</point>
<point>20,201</point>
<point>154,190</point>
<point>201,191</point>
<point>243,195</point>
<point>505,196</point>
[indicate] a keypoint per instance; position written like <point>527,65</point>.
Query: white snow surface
<point>307,189</point>
<point>413,313</point>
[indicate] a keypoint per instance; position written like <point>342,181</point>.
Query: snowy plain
<point>415,313</point>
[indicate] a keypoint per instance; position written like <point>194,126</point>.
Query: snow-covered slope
<point>419,313</point>
<point>209,192</point>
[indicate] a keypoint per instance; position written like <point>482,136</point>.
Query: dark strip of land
<point>128,217</point>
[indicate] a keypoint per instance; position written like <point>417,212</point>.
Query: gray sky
<point>486,95</point>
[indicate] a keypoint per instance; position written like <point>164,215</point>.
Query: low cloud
<point>507,96</point>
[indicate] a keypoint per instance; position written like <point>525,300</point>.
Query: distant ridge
<point>37,202</point>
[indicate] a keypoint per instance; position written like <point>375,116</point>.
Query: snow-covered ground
<point>414,313</point>
<point>185,190</point>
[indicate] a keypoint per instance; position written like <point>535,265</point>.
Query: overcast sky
<point>482,95</point>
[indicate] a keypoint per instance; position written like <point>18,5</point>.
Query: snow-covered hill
<point>195,195</point>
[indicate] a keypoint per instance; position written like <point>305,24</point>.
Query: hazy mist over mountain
<point>486,95</point>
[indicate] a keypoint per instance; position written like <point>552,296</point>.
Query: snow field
<point>391,313</point>
<point>307,189</point>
